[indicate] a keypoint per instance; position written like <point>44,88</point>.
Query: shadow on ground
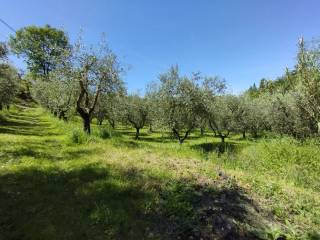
<point>22,124</point>
<point>52,151</point>
<point>105,202</point>
<point>152,138</point>
<point>218,147</point>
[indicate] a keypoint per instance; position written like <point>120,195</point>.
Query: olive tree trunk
<point>86,111</point>
<point>137,133</point>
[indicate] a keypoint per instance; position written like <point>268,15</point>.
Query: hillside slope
<point>118,188</point>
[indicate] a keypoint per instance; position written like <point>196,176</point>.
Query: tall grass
<point>284,159</point>
<point>284,175</point>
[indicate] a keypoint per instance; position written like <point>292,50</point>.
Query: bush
<point>105,133</point>
<point>77,136</point>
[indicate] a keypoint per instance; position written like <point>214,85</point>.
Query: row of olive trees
<point>292,103</point>
<point>9,79</point>
<point>181,104</point>
<point>86,79</point>
<point>69,79</point>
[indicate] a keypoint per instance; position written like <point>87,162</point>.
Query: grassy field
<point>56,183</point>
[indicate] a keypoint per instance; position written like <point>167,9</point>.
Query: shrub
<point>77,136</point>
<point>105,133</point>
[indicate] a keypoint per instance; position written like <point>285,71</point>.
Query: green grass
<point>284,174</point>
<point>58,183</point>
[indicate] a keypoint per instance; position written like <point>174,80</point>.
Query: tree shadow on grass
<point>150,137</point>
<point>23,117</point>
<point>133,144</point>
<point>132,133</point>
<point>219,147</point>
<point>105,202</point>
<point>165,138</point>
<point>48,150</point>
<point>25,127</point>
<point>160,139</point>
<point>210,213</point>
<point>23,123</point>
<point>85,203</point>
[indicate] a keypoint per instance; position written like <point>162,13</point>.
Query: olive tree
<point>238,106</point>
<point>289,115</point>
<point>282,113</point>
<point>181,104</point>
<point>308,75</point>
<point>257,114</point>
<point>202,123</point>
<point>250,113</point>
<point>154,104</point>
<point>109,107</point>
<point>62,96</point>
<point>216,108</point>
<point>96,72</point>
<point>3,51</point>
<point>136,112</point>
<point>100,111</point>
<point>220,117</point>
<point>9,83</point>
<point>9,78</point>
<point>57,93</point>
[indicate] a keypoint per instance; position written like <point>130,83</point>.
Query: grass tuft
<point>78,136</point>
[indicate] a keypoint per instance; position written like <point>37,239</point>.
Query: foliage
<point>3,51</point>
<point>295,97</point>
<point>308,75</point>
<point>96,72</point>
<point>136,112</point>
<point>181,101</point>
<point>42,47</point>
<point>220,117</point>
<point>110,107</point>
<point>57,93</point>
<point>77,136</point>
<point>87,80</point>
<point>9,83</point>
<point>240,111</point>
<point>77,83</point>
<point>105,133</point>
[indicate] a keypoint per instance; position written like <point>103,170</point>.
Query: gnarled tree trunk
<point>244,134</point>
<point>137,133</point>
<point>62,115</point>
<point>180,138</point>
<point>86,123</point>
<point>112,123</point>
<point>202,131</point>
<point>86,110</point>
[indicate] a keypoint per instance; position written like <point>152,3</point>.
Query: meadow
<point>58,183</point>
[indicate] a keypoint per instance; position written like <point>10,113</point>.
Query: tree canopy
<point>42,47</point>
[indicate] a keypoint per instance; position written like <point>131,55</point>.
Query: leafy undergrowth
<point>56,183</point>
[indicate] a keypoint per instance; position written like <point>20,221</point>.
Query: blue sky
<point>241,41</point>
